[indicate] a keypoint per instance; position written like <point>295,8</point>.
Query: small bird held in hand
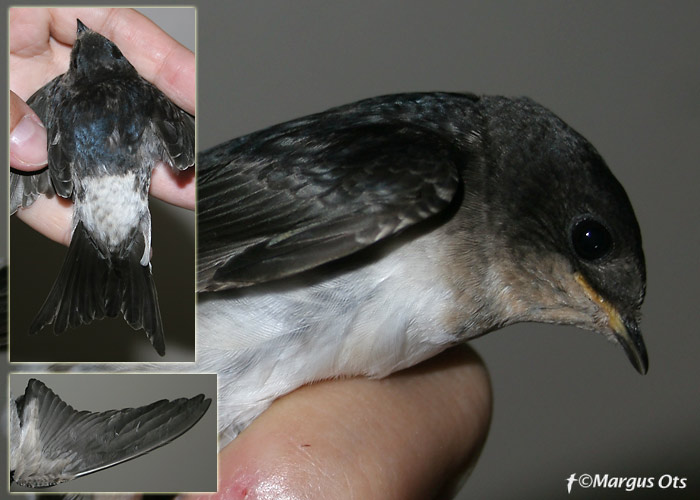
<point>51,443</point>
<point>367,238</point>
<point>107,128</point>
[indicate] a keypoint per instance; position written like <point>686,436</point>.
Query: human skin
<point>411,435</point>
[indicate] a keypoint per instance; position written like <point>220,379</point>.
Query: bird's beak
<point>626,331</point>
<point>630,338</point>
<point>81,27</point>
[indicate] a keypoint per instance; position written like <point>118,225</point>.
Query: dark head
<point>95,58</point>
<point>565,230</point>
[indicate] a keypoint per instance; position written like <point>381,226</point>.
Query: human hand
<point>27,136</point>
<point>410,435</point>
<point>40,45</point>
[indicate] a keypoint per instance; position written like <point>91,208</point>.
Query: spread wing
<point>25,187</point>
<point>175,129</point>
<point>58,443</point>
<point>313,190</point>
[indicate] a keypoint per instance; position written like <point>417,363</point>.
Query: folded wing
<point>304,193</point>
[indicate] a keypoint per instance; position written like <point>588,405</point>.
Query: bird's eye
<point>116,53</point>
<point>591,239</point>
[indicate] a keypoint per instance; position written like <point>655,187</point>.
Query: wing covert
<point>304,193</point>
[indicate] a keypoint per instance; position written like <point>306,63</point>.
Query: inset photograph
<point>113,433</point>
<point>102,152</point>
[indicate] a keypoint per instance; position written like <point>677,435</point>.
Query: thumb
<point>27,136</point>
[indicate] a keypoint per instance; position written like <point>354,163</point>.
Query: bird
<point>51,443</point>
<point>364,239</point>
<point>107,128</point>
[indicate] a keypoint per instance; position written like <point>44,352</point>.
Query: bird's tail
<point>91,287</point>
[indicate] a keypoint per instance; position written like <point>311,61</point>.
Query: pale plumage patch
<point>113,208</point>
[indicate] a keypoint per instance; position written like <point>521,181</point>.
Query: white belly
<point>112,208</point>
<point>370,321</point>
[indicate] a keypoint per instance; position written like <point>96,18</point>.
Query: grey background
<point>36,262</point>
<point>186,464</point>
<point>624,74</point>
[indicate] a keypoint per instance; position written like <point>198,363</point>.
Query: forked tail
<point>90,287</point>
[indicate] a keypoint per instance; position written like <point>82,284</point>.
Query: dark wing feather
<point>175,128</point>
<point>304,193</point>
<point>74,443</point>
<point>59,160</point>
<point>25,187</point>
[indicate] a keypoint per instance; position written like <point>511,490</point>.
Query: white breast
<point>112,207</point>
<point>372,321</point>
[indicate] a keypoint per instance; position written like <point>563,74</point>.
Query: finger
<point>176,188</point>
<point>27,136</point>
<point>52,217</point>
<point>29,30</point>
<point>157,57</point>
<point>406,436</point>
<point>35,56</point>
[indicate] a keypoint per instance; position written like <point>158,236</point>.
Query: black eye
<point>591,239</point>
<point>116,53</point>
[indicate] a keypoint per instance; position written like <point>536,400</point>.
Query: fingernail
<point>28,143</point>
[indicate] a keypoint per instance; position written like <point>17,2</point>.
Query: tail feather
<point>90,286</point>
<point>140,300</point>
<point>82,274</point>
<point>112,300</point>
